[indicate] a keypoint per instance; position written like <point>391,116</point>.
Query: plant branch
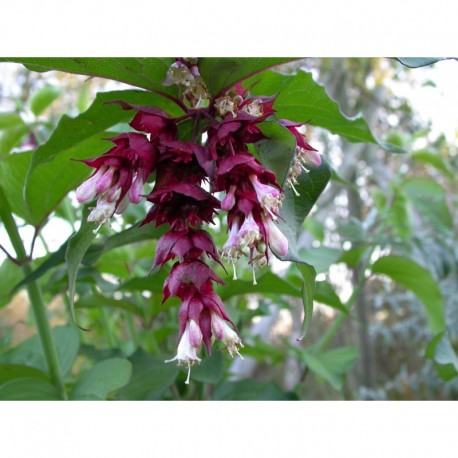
<point>36,298</point>
<point>11,258</point>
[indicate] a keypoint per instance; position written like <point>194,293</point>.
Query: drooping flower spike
<point>188,176</point>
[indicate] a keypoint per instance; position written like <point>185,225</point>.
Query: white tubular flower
<point>87,190</point>
<point>222,331</point>
<point>249,234</point>
<point>188,346</point>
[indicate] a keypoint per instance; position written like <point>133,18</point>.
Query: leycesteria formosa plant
<point>213,171</point>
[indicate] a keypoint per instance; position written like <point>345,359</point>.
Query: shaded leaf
<point>427,157</point>
<point>428,197</point>
<point>102,379</point>
<point>250,390</point>
<point>15,371</point>
<point>308,292</point>
<point>418,280</point>
<point>219,73</point>
<point>211,369</point>
<point>28,389</point>
<point>98,300</point>
<point>76,248</point>
<point>30,353</point>
<point>445,359</point>
<point>151,377</point>
<point>415,62</point>
<point>326,295</point>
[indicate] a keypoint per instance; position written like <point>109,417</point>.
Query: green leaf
<point>147,73</point>
<point>440,350</point>
<point>319,368</point>
<point>250,390</point>
<point>321,257</point>
<point>308,292</point>
<point>98,300</point>
<point>303,100</point>
<point>43,98</point>
<point>151,377</point>
<point>11,138</point>
<point>30,353</point>
<point>211,369</point>
<point>220,73</point>
<point>47,188</point>
<point>28,389</point>
<point>415,62</point>
<point>277,150</point>
<point>94,122</point>
<point>102,379</point>
<point>332,365</point>
<point>326,295</point>
<point>427,157</point>
<point>418,280</point>
<point>339,360</point>
<point>14,371</point>
<point>132,235</point>
<point>10,120</point>
<point>77,247</point>
<point>296,208</point>
<point>429,199</point>
<point>445,354</point>
<point>10,274</point>
<point>268,283</point>
<point>353,256</point>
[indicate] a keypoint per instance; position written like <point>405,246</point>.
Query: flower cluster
<point>188,175</point>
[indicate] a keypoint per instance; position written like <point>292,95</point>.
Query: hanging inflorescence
<point>224,164</point>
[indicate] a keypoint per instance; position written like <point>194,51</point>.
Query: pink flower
<point>119,177</point>
<point>228,336</point>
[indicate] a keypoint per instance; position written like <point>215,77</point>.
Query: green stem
<point>105,320</point>
<point>36,299</point>
<point>326,339</point>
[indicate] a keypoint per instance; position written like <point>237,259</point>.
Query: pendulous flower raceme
<point>188,174</point>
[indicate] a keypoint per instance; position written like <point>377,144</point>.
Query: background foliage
<point>381,320</point>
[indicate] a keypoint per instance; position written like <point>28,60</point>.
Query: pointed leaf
<point>220,73</point>
<point>77,247</point>
<point>308,292</point>
<point>147,73</point>
<point>301,99</point>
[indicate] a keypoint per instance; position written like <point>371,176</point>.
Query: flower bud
<point>277,241</point>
